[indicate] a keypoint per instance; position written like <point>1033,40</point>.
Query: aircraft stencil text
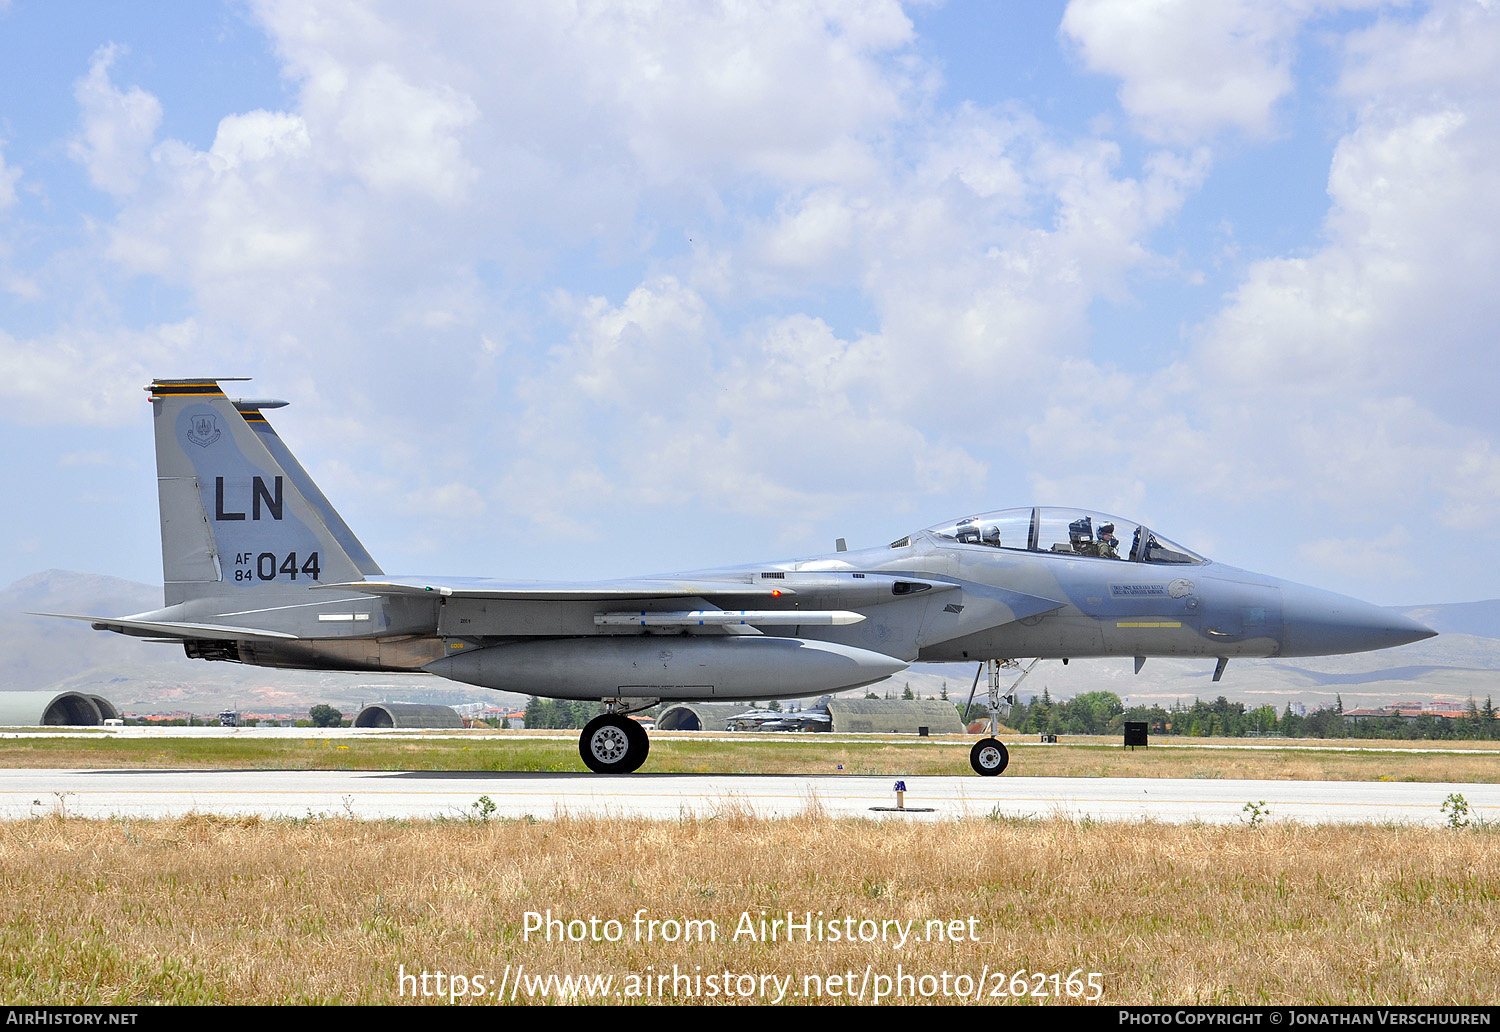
<point>272,499</point>
<point>253,566</point>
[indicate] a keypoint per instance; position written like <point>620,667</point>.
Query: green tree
<point>1090,713</point>
<point>324,715</point>
<point>559,713</point>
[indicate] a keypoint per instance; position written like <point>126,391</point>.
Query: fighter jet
<point>814,718</point>
<point>260,569</point>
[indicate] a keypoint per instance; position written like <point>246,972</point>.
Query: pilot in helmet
<point>1109,545</point>
<point>992,535</point>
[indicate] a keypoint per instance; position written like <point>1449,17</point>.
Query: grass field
<point>206,910</point>
<point>790,754</point>
<point>330,909</point>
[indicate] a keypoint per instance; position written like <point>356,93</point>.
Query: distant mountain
<point>1481,619</point>
<point>38,652</point>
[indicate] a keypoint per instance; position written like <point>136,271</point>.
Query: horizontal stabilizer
<point>154,629</point>
<point>723,618</point>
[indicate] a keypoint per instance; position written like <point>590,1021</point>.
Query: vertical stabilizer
<point>255,417</point>
<point>235,515</point>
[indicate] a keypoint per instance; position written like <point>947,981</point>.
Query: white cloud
<point>763,424</point>
<point>957,257</point>
<point>395,136</point>
<point>88,458</point>
<point>1351,384</point>
<point>1413,235</point>
<point>446,501</point>
<point>1353,556</point>
<point>643,353</point>
<point>973,301</point>
<point>738,258</point>
<point>88,377</point>
<point>422,144</point>
<point>20,285</point>
<point>233,211</point>
<point>666,92</point>
<point>118,127</point>
<point>1192,68</point>
<point>8,177</point>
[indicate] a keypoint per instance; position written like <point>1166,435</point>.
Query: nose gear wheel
<point>612,744</point>
<point>989,757</point>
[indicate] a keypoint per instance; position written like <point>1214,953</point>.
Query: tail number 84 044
<point>265,566</point>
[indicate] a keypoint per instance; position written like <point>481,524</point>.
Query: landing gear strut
<point>613,744</point>
<point>989,756</point>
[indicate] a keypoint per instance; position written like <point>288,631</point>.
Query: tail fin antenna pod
<point>235,516</point>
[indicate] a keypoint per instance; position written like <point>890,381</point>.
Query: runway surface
<point>458,795</point>
<point>770,740</point>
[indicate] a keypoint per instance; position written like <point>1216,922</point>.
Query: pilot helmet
<point>1108,528</point>
<point>992,534</point>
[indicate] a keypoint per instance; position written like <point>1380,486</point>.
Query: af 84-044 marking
<point>267,566</point>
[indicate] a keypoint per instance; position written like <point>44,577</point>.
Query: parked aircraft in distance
<point>260,569</point>
<point>813,718</point>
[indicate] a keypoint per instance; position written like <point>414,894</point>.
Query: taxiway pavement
<point>461,795</point>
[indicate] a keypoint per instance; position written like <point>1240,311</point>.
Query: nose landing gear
<point>989,756</point>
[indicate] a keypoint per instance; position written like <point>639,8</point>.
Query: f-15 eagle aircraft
<point>260,569</point>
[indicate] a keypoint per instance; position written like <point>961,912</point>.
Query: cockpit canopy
<point>1074,532</point>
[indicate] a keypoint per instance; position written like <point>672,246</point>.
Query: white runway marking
<point>456,795</point>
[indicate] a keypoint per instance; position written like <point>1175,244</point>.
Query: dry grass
<point>781,754</point>
<point>204,909</point>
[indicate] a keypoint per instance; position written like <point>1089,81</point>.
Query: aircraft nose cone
<point>1320,623</point>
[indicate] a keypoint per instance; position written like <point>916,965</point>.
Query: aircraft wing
<point>600,591</point>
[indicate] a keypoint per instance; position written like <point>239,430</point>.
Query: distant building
<point>899,716</point>
<point>49,708</point>
<point>698,716</point>
<point>408,715</point>
<point>1409,711</point>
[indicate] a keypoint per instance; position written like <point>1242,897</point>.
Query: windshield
<point>1073,532</point>
<point>1008,529</point>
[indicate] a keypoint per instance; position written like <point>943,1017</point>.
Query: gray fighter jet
<point>260,569</point>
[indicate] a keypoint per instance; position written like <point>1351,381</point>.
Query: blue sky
<point>579,290</point>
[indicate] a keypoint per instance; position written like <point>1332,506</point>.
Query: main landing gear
<point>613,744</point>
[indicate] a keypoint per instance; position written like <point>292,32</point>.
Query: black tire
<point>989,757</point>
<point>640,744</point>
<point>609,745</point>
